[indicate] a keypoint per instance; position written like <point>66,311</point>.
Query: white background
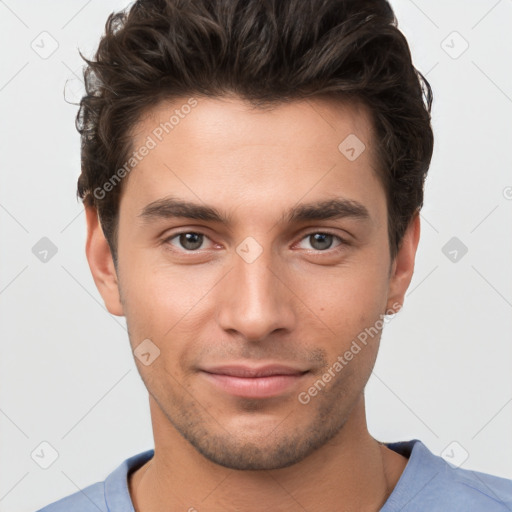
<point>67,373</point>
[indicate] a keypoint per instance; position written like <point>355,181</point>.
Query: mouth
<point>254,382</point>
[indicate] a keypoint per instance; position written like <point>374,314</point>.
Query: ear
<point>403,266</point>
<point>101,263</point>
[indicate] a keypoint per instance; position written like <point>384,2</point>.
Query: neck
<point>352,470</point>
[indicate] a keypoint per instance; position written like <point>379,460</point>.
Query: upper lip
<point>251,371</point>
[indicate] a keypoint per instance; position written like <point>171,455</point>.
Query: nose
<point>255,300</point>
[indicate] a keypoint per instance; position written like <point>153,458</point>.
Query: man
<point>252,173</point>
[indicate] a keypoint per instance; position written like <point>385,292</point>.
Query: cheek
<point>167,304</point>
<point>154,291</point>
<point>346,300</point>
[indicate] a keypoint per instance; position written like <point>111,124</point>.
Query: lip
<point>254,382</point>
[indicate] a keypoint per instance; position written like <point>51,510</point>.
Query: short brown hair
<point>266,52</point>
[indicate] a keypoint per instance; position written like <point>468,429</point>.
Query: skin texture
<point>299,303</point>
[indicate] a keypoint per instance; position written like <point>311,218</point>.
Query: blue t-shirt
<point>427,484</point>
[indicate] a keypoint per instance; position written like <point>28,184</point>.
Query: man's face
<point>256,288</point>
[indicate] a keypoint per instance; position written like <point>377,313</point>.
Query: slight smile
<point>263,382</point>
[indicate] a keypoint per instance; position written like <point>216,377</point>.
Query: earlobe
<point>101,263</point>
<point>403,266</point>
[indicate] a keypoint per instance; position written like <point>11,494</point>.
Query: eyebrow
<point>171,207</point>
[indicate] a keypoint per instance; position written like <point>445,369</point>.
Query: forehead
<point>225,151</point>
<point>217,123</point>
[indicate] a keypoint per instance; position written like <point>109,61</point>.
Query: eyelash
<point>342,242</point>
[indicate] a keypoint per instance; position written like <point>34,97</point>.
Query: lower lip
<point>255,387</point>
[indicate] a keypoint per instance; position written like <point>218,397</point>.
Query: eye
<point>188,240</point>
<point>191,241</point>
<point>321,241</point>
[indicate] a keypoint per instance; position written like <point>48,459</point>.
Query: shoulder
<point>111,495</point>
<point>89,499</point>
<point>430,483</point>
<point>477,490</point>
